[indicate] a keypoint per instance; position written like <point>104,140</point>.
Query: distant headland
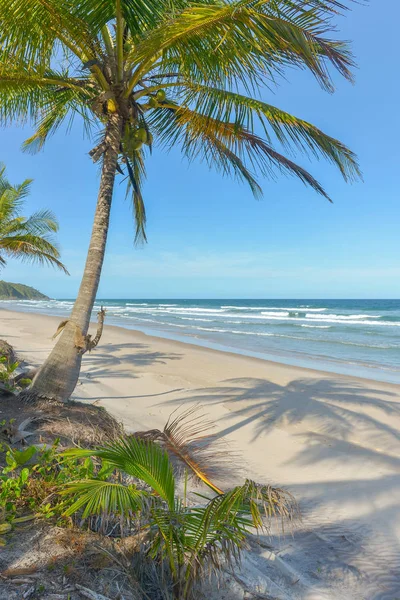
<point>18,291</point>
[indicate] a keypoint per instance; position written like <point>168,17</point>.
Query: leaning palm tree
<point>26,238</point>
<point>172,73</point>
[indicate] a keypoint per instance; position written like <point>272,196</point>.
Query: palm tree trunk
<point>58,376</point>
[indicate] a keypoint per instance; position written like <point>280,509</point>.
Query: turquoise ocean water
<point>358,337</point>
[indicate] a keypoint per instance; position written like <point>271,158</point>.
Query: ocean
<point>357,337</point>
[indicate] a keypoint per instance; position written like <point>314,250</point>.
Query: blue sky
<point>208,237</point>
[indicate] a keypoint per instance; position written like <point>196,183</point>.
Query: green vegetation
<point>130,484</point>
<point>26,238</point>
<point>190,75</point>
<point>30,479</point>
<point>18,291</point>
<point>8,373</point>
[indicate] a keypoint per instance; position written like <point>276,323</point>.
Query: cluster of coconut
<point>140,137</point>
<point>154,101</point>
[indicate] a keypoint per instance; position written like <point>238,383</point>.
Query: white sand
<point>332,440</point>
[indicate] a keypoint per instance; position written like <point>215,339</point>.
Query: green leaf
<point>141,459</point>
<point>24,519</point>
<point>20,457</point>
<point>103,498</point>
<point>24,475</point>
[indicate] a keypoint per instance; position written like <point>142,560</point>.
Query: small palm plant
<point>186,542</point>
<point>174,74</point>
<point>26,238</point>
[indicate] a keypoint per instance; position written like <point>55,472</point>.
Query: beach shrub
<point>30,481</point>
<point>8,372</point>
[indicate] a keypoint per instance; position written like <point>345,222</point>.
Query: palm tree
<point>175,73</point>
<point>27,238</point>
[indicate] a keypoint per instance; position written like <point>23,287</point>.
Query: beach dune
<point>331,440</point>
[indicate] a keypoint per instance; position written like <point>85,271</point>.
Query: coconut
<point>141,134</point>
<point>136,144</point>
<point>161,95</point>
<point>153,103</point>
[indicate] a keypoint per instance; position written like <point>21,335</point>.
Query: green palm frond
<point>136,173</point>
<point>228,106</point>
<point>53,115</point>
<point>139,16</point>
<point>104,498</point>
<point>144,460</point>
<point>32,248</point>
<point>198,540</point>
<point>41,223</point>
<point>242,40</point>
<point>26,238</point>
<point>236,148</point>
<point>11,197</point>
<point>10,207</point>
<point>32,30</point>
<point>170,131</point>
<point>260,502</point>
<point>30,92</point>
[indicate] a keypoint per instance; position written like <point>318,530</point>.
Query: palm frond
<point>188,436</point>
<point>232,145</point>
<point>136,173</point>
<point>141,459</point>
<point>103,498</point>
<point>41,223</point>
<point>262,503</point>
<point>53,115</point>
<point>10,207</point>
<point>139,16</point>
<point>26,238</point>
<point>243,40</point>
<point>26,92</point>
<point>189,440</point>
<point>200,540</point>
<point>228,106</point>
<point>11,197</point>
<point>32,30</point>
<point>32,248</point>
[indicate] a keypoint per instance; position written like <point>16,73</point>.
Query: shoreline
<point>211,347</point>
<point>320,364</point>
<point>331,440</point>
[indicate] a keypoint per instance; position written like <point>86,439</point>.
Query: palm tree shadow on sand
<point>329,402</point>
<point>337,420</point>
<point>114,361</point>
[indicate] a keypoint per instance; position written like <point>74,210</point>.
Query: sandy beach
<point>331,440</point>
